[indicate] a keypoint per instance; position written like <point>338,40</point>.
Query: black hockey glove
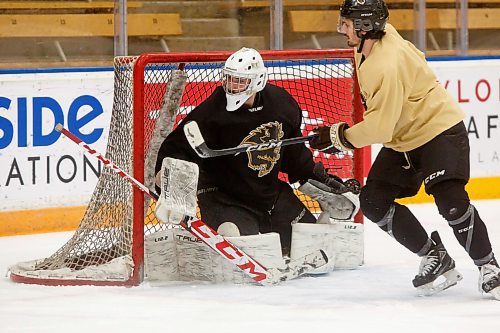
<point>331,139</point>
<point>333,182</point>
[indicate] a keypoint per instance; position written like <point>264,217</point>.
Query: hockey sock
<point>400,223</point>
<point>454,205</point>
<point>471,233</point>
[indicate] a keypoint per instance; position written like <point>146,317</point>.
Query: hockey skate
<point>435,264</point>
<point>489,278</point>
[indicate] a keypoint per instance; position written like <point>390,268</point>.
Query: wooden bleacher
<point>401,19</point>
<point>86,25</point>
<point>56,26</point>
<point>13,5</point>
<point>324,21</point>
<point>156,25</point>
<point>289,3</point>
<point>55,33</point>
<point>318,18</point>
<point>337,3</point>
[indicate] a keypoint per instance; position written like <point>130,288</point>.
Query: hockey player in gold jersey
<point>424,141</point>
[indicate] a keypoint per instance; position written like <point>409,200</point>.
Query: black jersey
<point>251,176</point>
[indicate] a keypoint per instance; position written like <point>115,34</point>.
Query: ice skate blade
<point>452,277</point>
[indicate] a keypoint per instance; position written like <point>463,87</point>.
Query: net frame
<point>133,95</point>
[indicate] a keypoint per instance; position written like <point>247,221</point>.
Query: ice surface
<point>377,297</point>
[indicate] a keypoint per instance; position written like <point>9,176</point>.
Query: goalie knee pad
<point>228,229</point>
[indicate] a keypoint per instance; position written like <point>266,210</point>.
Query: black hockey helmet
<point>367,15</point>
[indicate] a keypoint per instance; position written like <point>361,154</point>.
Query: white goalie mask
<point>243,75</point>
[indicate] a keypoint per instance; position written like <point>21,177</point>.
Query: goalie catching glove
<point>337,198</point>
<point>331,139</point>
<point>179,182</point>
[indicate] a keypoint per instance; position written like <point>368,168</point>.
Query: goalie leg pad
<point>349,245</point>
<point>341,241</point>
<point>160,256</point>
<point>264,248</point>
<point>176,255</point>
<point>307,237</point>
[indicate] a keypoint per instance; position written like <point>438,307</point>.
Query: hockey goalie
<point>176,254</point>
<point>241,196</point>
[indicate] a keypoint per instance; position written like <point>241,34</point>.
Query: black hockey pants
<point>217,207</point>
<point>443,166</point>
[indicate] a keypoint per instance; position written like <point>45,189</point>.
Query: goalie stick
<point>210,237</point>
<point>197,142</point>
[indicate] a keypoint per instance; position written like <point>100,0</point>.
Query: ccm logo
<point>264,146</point>
<point>434,175</point>
<point>460,231</point>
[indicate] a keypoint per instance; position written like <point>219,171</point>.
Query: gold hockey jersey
<point>406,106</point>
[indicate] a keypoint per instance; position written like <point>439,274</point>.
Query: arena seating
<point>78,30</point>
<point>57,26</point>
<point>437,19</point>
<point>37,5</point>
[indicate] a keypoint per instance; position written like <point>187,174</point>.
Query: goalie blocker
<point>179,182</point>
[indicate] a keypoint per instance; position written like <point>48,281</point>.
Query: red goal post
<point>108,246</point>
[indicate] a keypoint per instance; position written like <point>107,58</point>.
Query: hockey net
<point>152,93</point>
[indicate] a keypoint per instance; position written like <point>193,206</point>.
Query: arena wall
<point>46,181</point>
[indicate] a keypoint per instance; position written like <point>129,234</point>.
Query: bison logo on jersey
<point>264,159</point>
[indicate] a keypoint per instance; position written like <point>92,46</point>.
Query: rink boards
<point>43,177</point>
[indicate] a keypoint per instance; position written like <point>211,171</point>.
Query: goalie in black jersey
<point>242,194</point>
<point>425,141</point>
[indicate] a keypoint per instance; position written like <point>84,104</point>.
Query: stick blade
<point>193,134</point>
<point>298,267</point>
<point>195,139</point>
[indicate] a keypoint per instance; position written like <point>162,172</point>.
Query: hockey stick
<point>209,236</point>
<point>196,141</point>
<point>105,161</point>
